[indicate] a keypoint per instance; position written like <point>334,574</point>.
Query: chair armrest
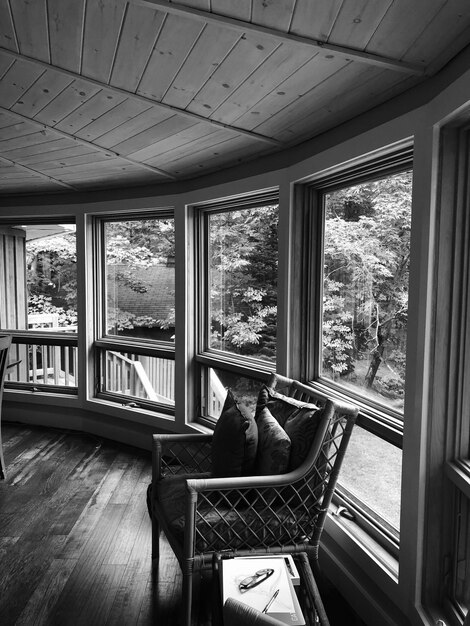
<point>176,454</point>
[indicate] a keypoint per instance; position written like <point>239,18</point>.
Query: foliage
<point>367,245</point>
<point>243,280</point>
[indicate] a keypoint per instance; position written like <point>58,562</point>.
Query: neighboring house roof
<point>159,296</point>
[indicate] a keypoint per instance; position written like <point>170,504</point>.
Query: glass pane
<point>39,277</point>
<point>140,278</point>
<point>43,365</point>
<point>245,390</point>
<point>371,471</point>
<point>140,377</point>
<point>243,252</point>
<point>365,298</point>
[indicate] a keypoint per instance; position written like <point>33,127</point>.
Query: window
<point>361,276</point>
<point>136,292</point>
<point>38,277</point>
<point>238,253</point>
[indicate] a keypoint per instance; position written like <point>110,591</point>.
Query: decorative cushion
<point>273,445</point>
<point>280,406</point>
<point>301,426</point>
<point>235,440</point>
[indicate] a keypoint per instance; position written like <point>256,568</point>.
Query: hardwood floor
<point>75,537</point>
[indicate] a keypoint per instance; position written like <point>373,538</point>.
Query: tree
<point>243,280</point>
<point>367,246</point>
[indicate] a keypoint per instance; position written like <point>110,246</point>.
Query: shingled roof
<point>159,296</point>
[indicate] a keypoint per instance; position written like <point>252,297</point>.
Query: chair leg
<point>187,598</point>
<point>155,542</point>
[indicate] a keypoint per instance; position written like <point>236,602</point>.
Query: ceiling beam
<point>135,96</point>
<point>50,179</point>
<point>282,37</point>
<point>84,142</point>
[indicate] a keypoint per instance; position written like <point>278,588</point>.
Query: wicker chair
<point>201,515</point>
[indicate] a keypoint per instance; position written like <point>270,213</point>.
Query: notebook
<point>274,596</point>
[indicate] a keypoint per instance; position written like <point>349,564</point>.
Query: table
<point>307,591</point>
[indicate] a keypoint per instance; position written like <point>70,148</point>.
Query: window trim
<point>104,342</point>
<point>380,420</point>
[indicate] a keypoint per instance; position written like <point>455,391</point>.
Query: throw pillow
<point>301,426</point>
<point>235,440</point>
<point>273,445</point>
<point>280,406</point>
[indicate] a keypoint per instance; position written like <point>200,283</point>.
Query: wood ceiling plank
<point>180,153</point>
<point>289,91</point>
<point>177,37</point>
<point>66,19</point>
<point>333,111</point>
<point>17,80</point>
<point>7,31</point>
<point>120,114</point>
<point>37,150</point>
<point>339,83</point>
<point>5,64</point>
<point>244,58</point>
<point>30,20</point>
<point>273,14</point>
<point>181,143</point>
<point>55,167</point>
<point>72,97</point>
<point>7,120</point>
<point>315,19</point>
<point>209,51</point>
<point>40,174</point>
<point>434,50</point>
<point>52,152</point>
<point>138,35</point>
<point>183,136</point>
<point>17,130</point>
<point>151,136</point>
<point>48,86</point>
<point>357,21</point>
<point>102,26</point>
<point>402,25</point>
<point>115,181</point>
<point>31,139</point>
<point>283,37</point>
<point>278,67</point>
<point>240,10</point>
<point>91,110</point>
<point>136,125</point>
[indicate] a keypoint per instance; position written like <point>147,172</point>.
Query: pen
<point>273,597</point>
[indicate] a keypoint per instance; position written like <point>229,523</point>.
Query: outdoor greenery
<point>365,297</point>
<point>243,253</point>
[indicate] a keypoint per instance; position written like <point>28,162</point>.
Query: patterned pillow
<point>301,427</point>
<point>235,440</point>
<point>273,445</point>
<point>281,407</point>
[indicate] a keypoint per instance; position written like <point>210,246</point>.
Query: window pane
<point>365,298</point>
<point>244,389</point>
<point>243,252</point>
<point>371,472</point>
<point>140,377</point>
<point>140,278</point>
<point>39,277</point>
<point>43,365</point>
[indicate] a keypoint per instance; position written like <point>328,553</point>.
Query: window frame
<point>375,417</point>
<point>40,337</point>
<point>207,357</point>
<point>104,342</point>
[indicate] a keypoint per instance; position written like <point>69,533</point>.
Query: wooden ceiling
<point>102,94</point>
